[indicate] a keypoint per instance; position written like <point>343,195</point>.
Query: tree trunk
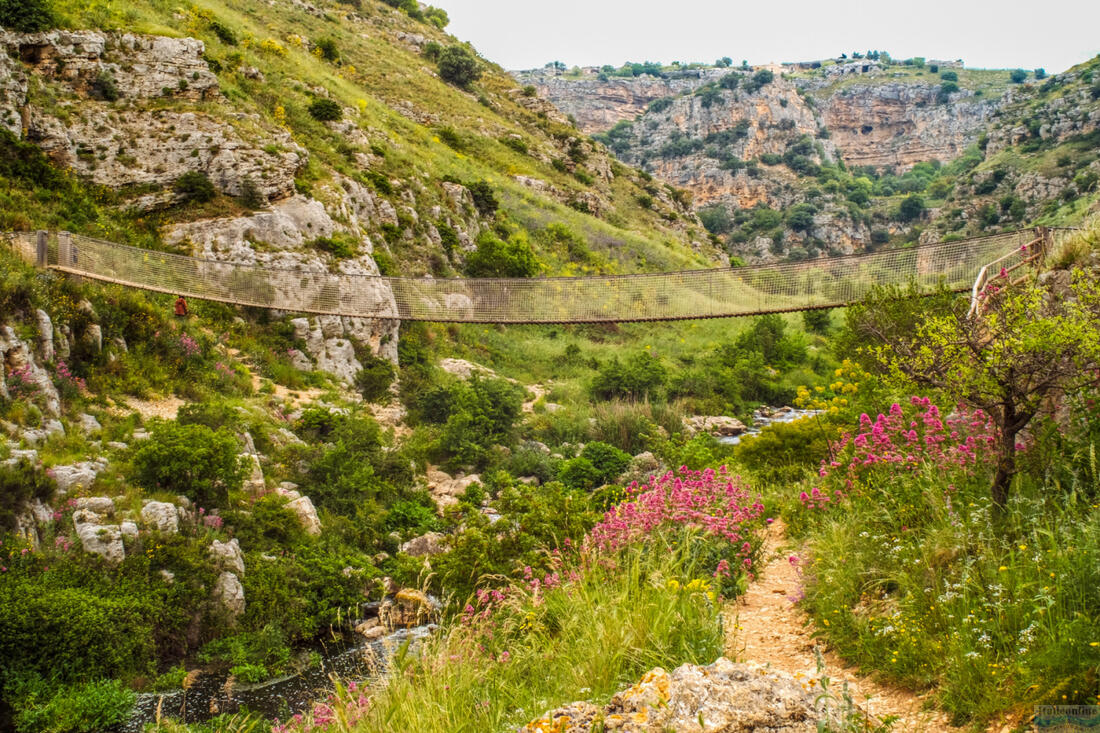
<point>1006,459</point>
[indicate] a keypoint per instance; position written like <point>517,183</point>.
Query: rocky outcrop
<point>161,516</point>
<point>895,125</point>
<point>408,607</point>
<point>96,129</point>
<point>597,105</point>
<point>228,556</point>
<point>723,696</point>
<point>76,476</point>
<point>278,239</point>
<point>90,520</point>
<point>445,489</point>
<point>21,373</point>
<point>135,66</point>
<point>130,148</point>
<point>722,425</point>
<point>427,544</point>
<point>303,508</point>
<point>229,594</point>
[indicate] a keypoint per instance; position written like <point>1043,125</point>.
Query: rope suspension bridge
<point>694,294</point>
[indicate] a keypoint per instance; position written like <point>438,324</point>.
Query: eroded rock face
<point>138,67</point>
<point>22,372</point>
<point>445,489</point>
<point>723,696</point>
<point>897,125</point>
<point>130,147</point>
<point>76,476</point>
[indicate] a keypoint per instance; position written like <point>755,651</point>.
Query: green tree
<point>192,460</point>
<point>1017,76</point>
<point>950,76</point>
<point>458,66</point>
<point>27,16</point>
<point>1024,348</point>
<point>485,201</point>
<point>496,257</point>
<point>911,208</point>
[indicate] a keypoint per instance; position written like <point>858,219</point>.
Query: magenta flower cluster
<point>189,346</point>
<point>68,378</point>
<point>906,440</point>
<point>709,500</point>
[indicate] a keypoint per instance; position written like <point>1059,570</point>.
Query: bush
<point>607,461</point>
<point>20,484</point>
<point>477,415</point>
<point>324,109</point>
<point>85,708</point>
<point>192,460</point>
<point>213,415</point>
<point>484,200</point>
<point>27,16</point>
<point>817,321</point>
<point>104,87</point>
<point>1017,76</point>
<point>374,379</point>
<point>458,66</point>
<point>195,186</point>
<point>949,76</point>
<point>911,208</point>
<point>251,195</point>
<point>641,377</point>
<point>432,50</point>
<point>495,257</point>
<point>328,50</point>
<point>579,473</point>
<point>716,219</point>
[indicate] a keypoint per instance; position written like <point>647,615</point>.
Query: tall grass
<point>531,650</point>
<point>915,576</point>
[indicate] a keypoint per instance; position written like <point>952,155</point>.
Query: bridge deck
<point>695,294</point>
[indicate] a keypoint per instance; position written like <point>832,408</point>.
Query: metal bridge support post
<point>67,253</point>
<point>42,248</point>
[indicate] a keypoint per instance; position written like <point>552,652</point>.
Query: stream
<point>764,417</point>
<point>212,694</point>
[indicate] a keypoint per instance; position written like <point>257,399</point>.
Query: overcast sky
<point>522,34</point>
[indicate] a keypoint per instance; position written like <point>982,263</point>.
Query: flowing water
<point>764,417</point>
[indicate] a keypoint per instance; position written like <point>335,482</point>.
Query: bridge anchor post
<point>42,250</point>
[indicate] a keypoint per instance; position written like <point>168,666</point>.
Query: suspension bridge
<point>668,296</point>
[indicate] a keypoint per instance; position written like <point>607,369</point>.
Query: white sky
<point>522,34</point>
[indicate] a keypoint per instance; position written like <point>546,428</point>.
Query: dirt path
<point>766,627</point>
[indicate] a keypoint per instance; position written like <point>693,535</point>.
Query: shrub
<point>432,50</point>
<point>224,33</point>
<point>579,473</point>
<point>641,377</point>
<point>104,87</point>
<point>606,460</point>
<point>949,76</point>
<point>484,200</point>
<point>374,379</point>
<point>20,484</point>
<point>1017,76</point>
<point>213,415</point>
<point>251,195</point>
<point>660,105</point>
<point>195,186</point>
<point>817,321</point>
<point>458,66</point>
<point>192,460</point>
<point>324,109</point>
<point>716,219</point>
<point>412,517</point>
<point>437,17</point>
<point>328,50</point>
<point>83,708</point>
<point>911,208</point>
<point>730,81</point>
<point>27,16</point>
<point>495,257</point>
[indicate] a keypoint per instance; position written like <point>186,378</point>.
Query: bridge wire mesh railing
<point>714,293</point>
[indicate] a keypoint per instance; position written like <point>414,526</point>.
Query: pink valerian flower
<point>189,346</point>
<point>720,507</point>
<point>964,440</point>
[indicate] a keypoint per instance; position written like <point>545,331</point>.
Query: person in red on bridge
<point>181,307</point>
